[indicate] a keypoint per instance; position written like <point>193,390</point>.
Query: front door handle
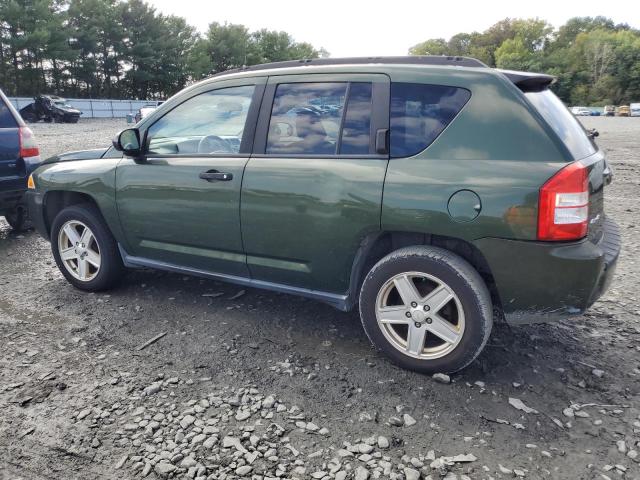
<point>216,176</point>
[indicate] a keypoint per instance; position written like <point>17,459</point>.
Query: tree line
<point>122,49</point>
<point>126,49</point>
<point>596,61</point>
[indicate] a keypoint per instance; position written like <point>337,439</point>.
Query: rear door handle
<point>216,176</point>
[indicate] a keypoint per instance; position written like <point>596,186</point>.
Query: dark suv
<point>19,156</point>
<point>431,192</point>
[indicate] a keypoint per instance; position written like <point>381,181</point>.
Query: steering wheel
<point>213,144</point>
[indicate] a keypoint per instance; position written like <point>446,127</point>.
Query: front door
<point>180,205</point>
<point>312,190</point>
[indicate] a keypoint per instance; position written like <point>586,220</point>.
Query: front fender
<point>94,178</point>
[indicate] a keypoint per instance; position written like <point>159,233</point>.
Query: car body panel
<point>198,227</point>
<point>94,178</point>
<point>302,222</point>
<point>561,280</point>
<point>77,155</point>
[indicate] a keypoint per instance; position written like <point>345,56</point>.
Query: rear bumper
<point>542,281</point>
<point>36,212</point>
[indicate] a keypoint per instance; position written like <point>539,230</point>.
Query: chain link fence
<point>102,108</point>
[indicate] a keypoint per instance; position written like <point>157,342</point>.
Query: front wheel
<point>427,309</point>
<point>84,249</point>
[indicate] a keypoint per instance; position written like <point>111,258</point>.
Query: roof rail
<point>398,60</point>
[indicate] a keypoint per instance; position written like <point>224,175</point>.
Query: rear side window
<point>6,117</point>
<point>419,113</point>
<point>568,128</point>
<point>320,119</point>
<point>356,133</point>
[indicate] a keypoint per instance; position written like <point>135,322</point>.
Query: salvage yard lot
<point>247,382</point>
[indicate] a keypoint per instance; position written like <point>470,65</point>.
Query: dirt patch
<point>274,386</point>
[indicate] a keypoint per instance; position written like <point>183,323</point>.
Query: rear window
<point>568,128</point>
<point>6,117</point>
<point>419,113</point>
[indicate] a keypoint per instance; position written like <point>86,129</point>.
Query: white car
<point>581,111</point>
<point>145,111</point>
<point>634,109</point>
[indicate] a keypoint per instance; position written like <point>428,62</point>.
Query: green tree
<point>594,60</point>
<point>229,46</point>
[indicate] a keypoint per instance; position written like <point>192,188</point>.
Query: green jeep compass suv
<point>433,193</point>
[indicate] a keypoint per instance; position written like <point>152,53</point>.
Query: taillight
<point>28,145</point>
<point>563,205</point>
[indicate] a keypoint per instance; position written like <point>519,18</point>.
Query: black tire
<point>18,219</point>
<point>111,268</point>
<point>460,276</point>
<point>29,118</point>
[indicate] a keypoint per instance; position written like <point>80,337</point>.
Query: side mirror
<point>128,142</point>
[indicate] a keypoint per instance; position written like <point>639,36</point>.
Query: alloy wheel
<point>420,315</point>
<point>79,250</point>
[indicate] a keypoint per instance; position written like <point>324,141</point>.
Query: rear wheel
<point>427,309</point>
<point>84,249</point>
<point>17,219</point>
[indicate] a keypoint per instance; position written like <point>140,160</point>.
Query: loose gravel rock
<point>252,384</point>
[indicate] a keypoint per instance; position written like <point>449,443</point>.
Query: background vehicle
<point>19,156</point>
<point>609,110</point>
<point>581,111</point>
<point>50,108</point>
<point>623,111</point>
<point>634,109</point>
<point>300,179</point>
<point>144,111</point>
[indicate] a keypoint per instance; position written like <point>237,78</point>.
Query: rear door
<point>312,190</point>
<point>11,166</point>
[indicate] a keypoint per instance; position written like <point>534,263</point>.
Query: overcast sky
<point>374,27</point>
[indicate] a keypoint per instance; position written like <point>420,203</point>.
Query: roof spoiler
<point>529,82</point>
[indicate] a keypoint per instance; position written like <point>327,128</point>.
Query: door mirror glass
<point>128,142</point>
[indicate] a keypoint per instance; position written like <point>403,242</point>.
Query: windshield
<point>568,128</point>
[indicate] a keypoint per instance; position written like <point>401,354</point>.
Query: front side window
<point>419,113</point>
<point>209,123</point>
<point>311,119</point>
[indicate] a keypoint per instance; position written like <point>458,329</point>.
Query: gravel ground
<point>247,383</point>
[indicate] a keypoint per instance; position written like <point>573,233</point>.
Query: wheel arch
<point>55,201</point>
<point>376,246</point>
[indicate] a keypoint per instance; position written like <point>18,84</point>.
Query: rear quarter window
<point>563,122</point>
<point>420,112</point>
<point>6,117</point>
